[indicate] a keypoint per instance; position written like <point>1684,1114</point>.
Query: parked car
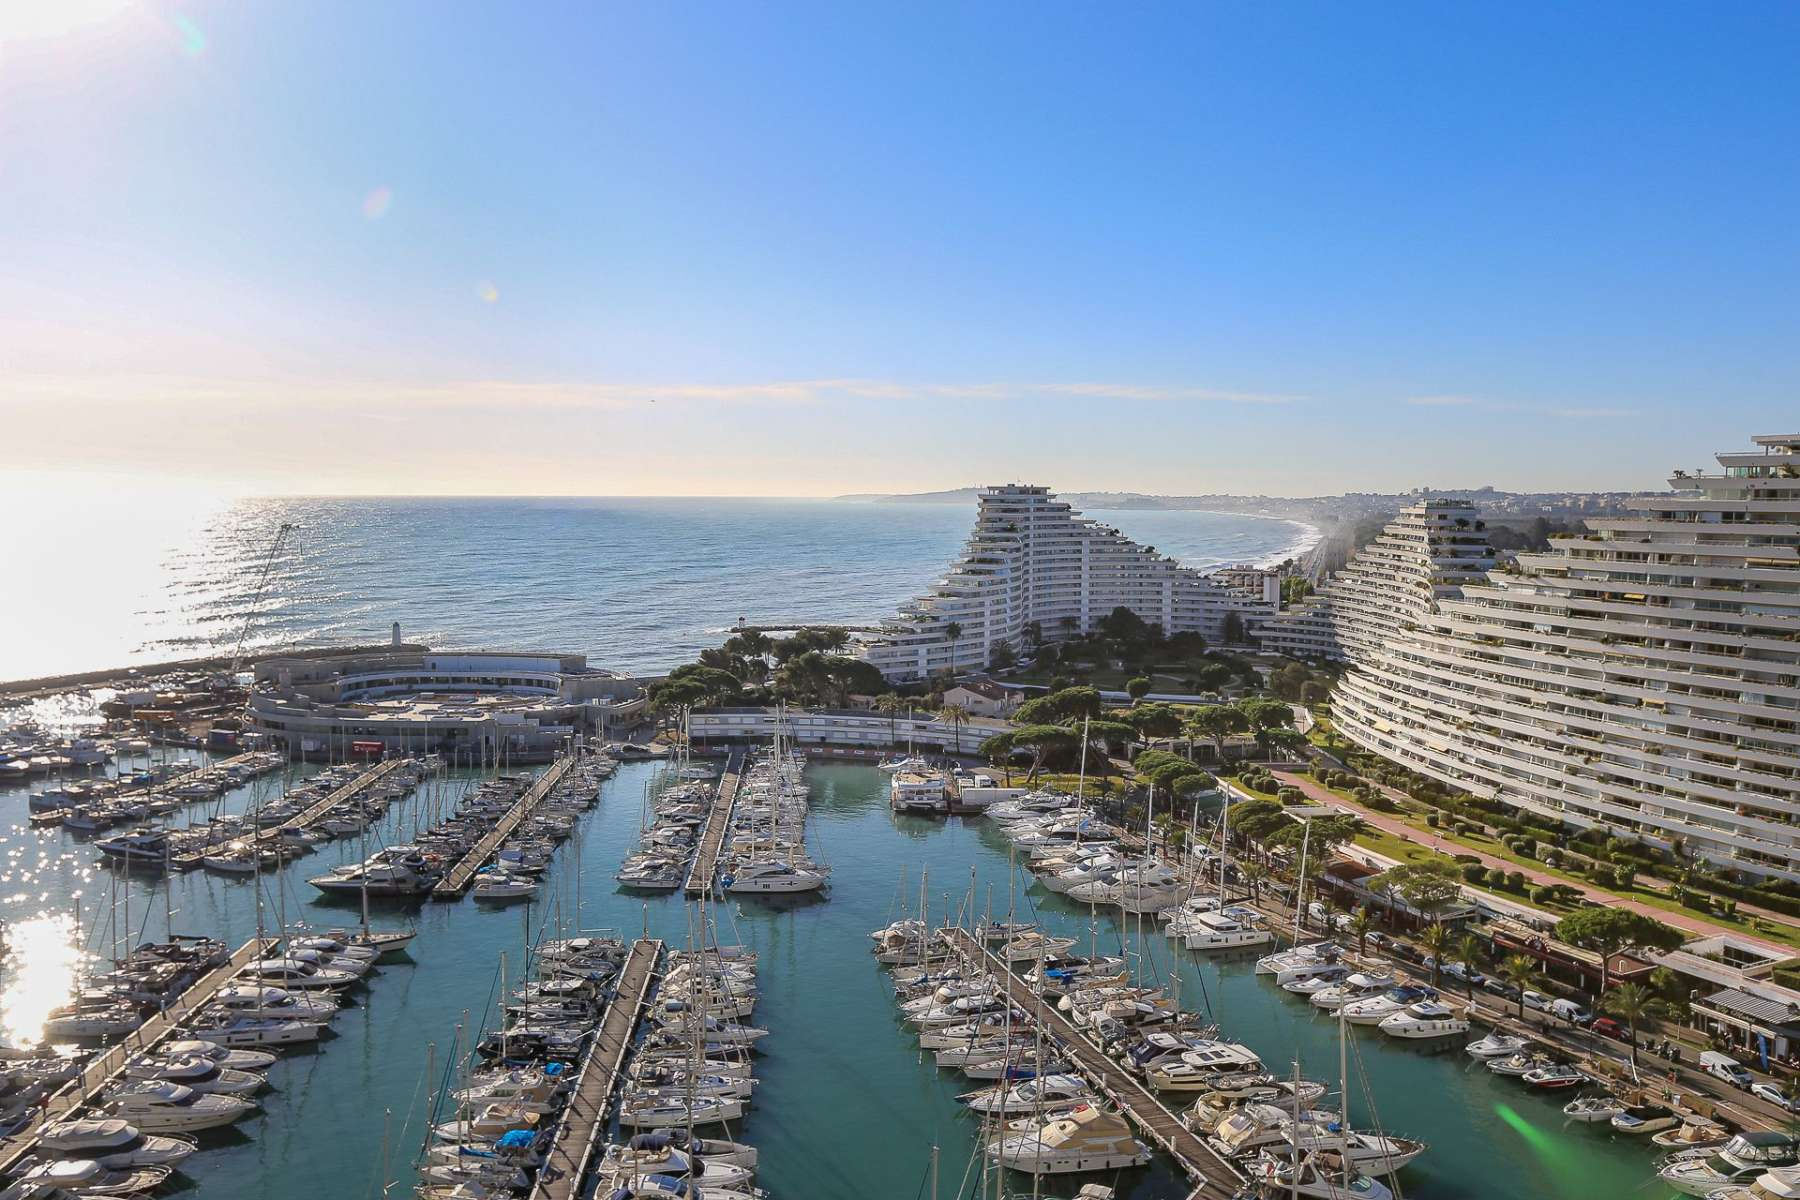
<point>1537,1001</point>
<point>1500,987</point>
<point>1607,1027</point>
<point>1571,1012</point>
<point>1773,1094</point>
<point>1723,1066</point>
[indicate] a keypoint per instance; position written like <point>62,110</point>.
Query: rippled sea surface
<point>636,584</point>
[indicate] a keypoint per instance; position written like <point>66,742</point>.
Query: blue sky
<point>798,249</point>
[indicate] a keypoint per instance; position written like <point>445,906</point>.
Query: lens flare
<point>46,962</point>
<point>377,202</point>
<point>193,38</point>
<point>488,292</point>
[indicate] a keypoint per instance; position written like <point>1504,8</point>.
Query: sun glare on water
<point>44,961</point>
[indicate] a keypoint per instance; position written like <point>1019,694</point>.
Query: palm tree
<point>958,716</point>
<point>1252,874</point>
<point>1468,952</point>
<point>952,632</point>
<point>1520,972</point>
<point>893,705</point>
<point>1631,1003</point>
<point>1436,941</point>
<point>1362,923</point>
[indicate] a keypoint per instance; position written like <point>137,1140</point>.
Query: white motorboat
<point>1424,1019</point>
<point>1495,1045</point>
<point>113,1143</point>
<point>271,1003</point>
<point>237,1060</point>
<point>1739,1161</point>
<point>1377,1009</point>
<point>1032,1095</point>
<point>86,1177</point>
<point>170,1107</point>
<point>1086,1139</point>
<point>1222,931</point>
<point>223,1029</point>
<point>196,1073</point>
<point>496,886</point>
<point>1362,985</point>
<point>1594,1110</point>
<point>1642,1120</point>
<point>769,877</point>
<point>297,975</point>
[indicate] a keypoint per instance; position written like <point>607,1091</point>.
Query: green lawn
<point>1786,934</point>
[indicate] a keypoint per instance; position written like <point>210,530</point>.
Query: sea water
<point>848,1106</point>
<point>637,585</point>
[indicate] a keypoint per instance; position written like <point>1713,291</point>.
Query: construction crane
<point>262,581</point>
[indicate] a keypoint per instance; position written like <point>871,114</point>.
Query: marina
<point>703,872</point>
<point>1212,1175</point>
<point>457,880</point>
<point>566,1168</point>
<point>828,1014</point>
<point>108,1068</point>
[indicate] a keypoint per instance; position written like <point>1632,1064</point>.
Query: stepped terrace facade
<point>1643,676</point>
<point>1033,562</point>
<point>1427,554</point>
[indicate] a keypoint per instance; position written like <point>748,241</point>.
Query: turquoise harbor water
<point>846,1108</point>
<point>638,585</point>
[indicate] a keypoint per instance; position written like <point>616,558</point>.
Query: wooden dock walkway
<point>454,884</point>
<point>108,1066</point>
<point>583,1122</point>
<point>187,862</point>
<point>1212,1175</point>
<point>705,867</point>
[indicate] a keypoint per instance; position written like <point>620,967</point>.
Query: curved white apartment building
<point>1428,553</point>
<point>1033,558</point>
<point>1643,676</point>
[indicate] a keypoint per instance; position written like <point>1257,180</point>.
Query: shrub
<point>1496,878</point>
<point>1473,872</point>
<point>1434,820</point>
<point>1543,894</point>
<point>1515,881</point>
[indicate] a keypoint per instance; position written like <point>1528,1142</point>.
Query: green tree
<point>1156,720</point>
<point>953,632</point>
<point>893,705</point>
<point>1002,656</point>
<point>1426,886</point>
<point>1043,741</point>
<point>1066,704</point>
<point>1468,953</point>
<point>1436,942</point>
<point>1521,972</point>
<point>958,716</point>
<point>1631,1003</point>
<point>1606,931</point>
<point>1252,875</point>
<point>1215,723</point>
<point>1137,688</point>
<point>1362,924</point>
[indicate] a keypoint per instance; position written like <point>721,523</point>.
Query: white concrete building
<point>472,706</point>
<point>1643,676</point>
<point>1032,559</point>
<point>1428,553</point>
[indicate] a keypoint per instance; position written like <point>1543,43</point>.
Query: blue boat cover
<point>515,1139</point>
